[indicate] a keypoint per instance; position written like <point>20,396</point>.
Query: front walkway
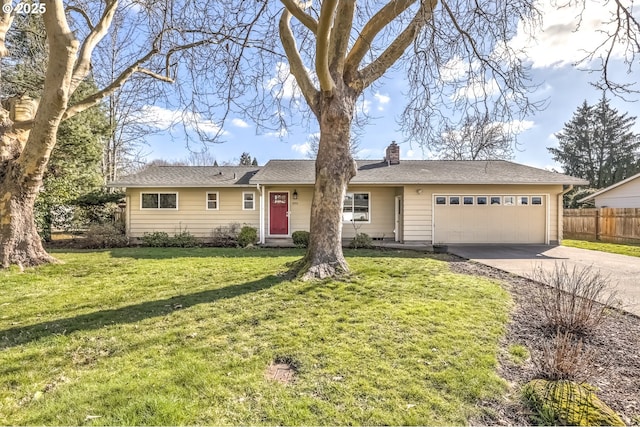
<point>623,270</point>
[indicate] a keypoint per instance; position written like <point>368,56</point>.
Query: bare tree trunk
<point>20,243</point>
<point>334,169</point>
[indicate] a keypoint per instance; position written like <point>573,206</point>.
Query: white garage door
<point>489,219</point>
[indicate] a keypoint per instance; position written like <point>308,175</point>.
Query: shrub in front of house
<point>225,236</point>
<point>104,236</point>
<point>300,238</point>
<point>361,241</point>
<point>248,236</point>
<point>157,239</point>
<point>184,239</point>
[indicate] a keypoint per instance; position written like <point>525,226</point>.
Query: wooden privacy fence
<point>617,225</point>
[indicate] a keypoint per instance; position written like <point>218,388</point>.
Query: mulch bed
<point>615,347</point>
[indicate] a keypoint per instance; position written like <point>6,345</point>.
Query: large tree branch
<point>296,66</point>
<point>340,34</point>
<point>55,94</point>
<point>117,83</point>
<point>97,33</point>
<point>376,24</point>
<point>327,13</point>
<point>307,20</point>
<point>392,53</point>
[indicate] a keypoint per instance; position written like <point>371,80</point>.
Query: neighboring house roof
<point>369,172</point>
<point>189,176</point>
<point>611,187</point>
<point>418,172</point>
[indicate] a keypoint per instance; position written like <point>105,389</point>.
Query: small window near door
<point>481,200</point>
<point>495,200</point>
<point>248,201</point>
<point>212,201</point>
<point>441,200</point>
<point>536,200</point>
<point>467,200</point>
<point>454,200</point>
<point>523,200</point>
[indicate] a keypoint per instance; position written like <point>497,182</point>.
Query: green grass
<point>184,336</point>
<point>614,248</point>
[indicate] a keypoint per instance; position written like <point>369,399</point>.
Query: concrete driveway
<point>623,270</point>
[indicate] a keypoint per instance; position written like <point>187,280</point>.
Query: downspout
<point>561,213</point>
<point>261,228</point>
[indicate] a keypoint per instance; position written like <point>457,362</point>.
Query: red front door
<point>279,213</point>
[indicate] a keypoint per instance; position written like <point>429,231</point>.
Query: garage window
<point>536,200</point>
<point>509,200</point>
<point>467,200</point>
<point>454,200</point>
<point>481,200</point>
<point>523,200</point>
<point>441,200</point>
<point>495,200</point>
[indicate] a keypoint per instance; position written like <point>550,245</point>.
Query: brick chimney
<point>393,154</point>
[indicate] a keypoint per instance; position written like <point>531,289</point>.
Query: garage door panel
<point>489,224</point>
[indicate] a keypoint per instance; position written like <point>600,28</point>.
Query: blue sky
<point>551,57</point>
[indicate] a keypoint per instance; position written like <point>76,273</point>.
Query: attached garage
<point>490,218</point>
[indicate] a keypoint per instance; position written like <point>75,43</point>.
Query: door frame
<point>288,214</point>
<point>398,220</point>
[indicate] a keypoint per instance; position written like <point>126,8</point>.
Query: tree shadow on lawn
<point>130,314</point>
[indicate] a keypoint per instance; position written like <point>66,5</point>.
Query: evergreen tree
<point>598,145</point>
<point>254,162</point>
<point>245,159</point>
<point>74,167</point>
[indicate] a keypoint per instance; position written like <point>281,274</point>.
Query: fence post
<point>598,224</point>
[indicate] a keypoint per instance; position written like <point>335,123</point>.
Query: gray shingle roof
<point>418,172</point>
<point>189,176</point>
<point>369,172</point>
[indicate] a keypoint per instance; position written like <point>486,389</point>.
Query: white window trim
<point>159,208</point>
<point>515,200</point>
<point>487,201</point>
<point>370,208</point>
<point>541,200</point>
<point>206,201</point>
<point>253,200</point>
<point>473,200</point>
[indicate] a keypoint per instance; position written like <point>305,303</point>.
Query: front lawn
<point>185,336</point>
<point>614,248</point>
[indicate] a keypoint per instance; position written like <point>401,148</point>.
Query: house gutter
<point>261,227</point>
<point>560,213</point>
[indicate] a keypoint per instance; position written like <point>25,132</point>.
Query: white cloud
<point>519,126</point>
<point>382,100</point>
<point>277,134</point>
<point>477,89</point>
<point>302,148</point>
<point>365,106</point>
<point>568,32</point>
<point>239,123</point>
<point>164,118</point>
<point>455,69</point>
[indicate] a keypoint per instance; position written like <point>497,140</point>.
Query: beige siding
<point>192,214</point>
<point>418,206</point>
<point>381,202</point>
<point>626,195</point>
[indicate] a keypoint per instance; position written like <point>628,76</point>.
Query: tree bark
<point>334,169</point>
<point>20,243</point>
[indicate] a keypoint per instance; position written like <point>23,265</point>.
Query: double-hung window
<point>248,201</point>
<point>356,208</point>
<point>159,200</point>
<point>213,201</point>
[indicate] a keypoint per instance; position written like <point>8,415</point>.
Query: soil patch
<point>281,372</point>
<point>615,346</point>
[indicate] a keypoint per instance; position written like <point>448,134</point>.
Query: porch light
<point>419,191</point>
<point>295,194</point>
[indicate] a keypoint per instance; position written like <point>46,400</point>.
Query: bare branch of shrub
<point>564,358</point>
<point>574,300</point>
